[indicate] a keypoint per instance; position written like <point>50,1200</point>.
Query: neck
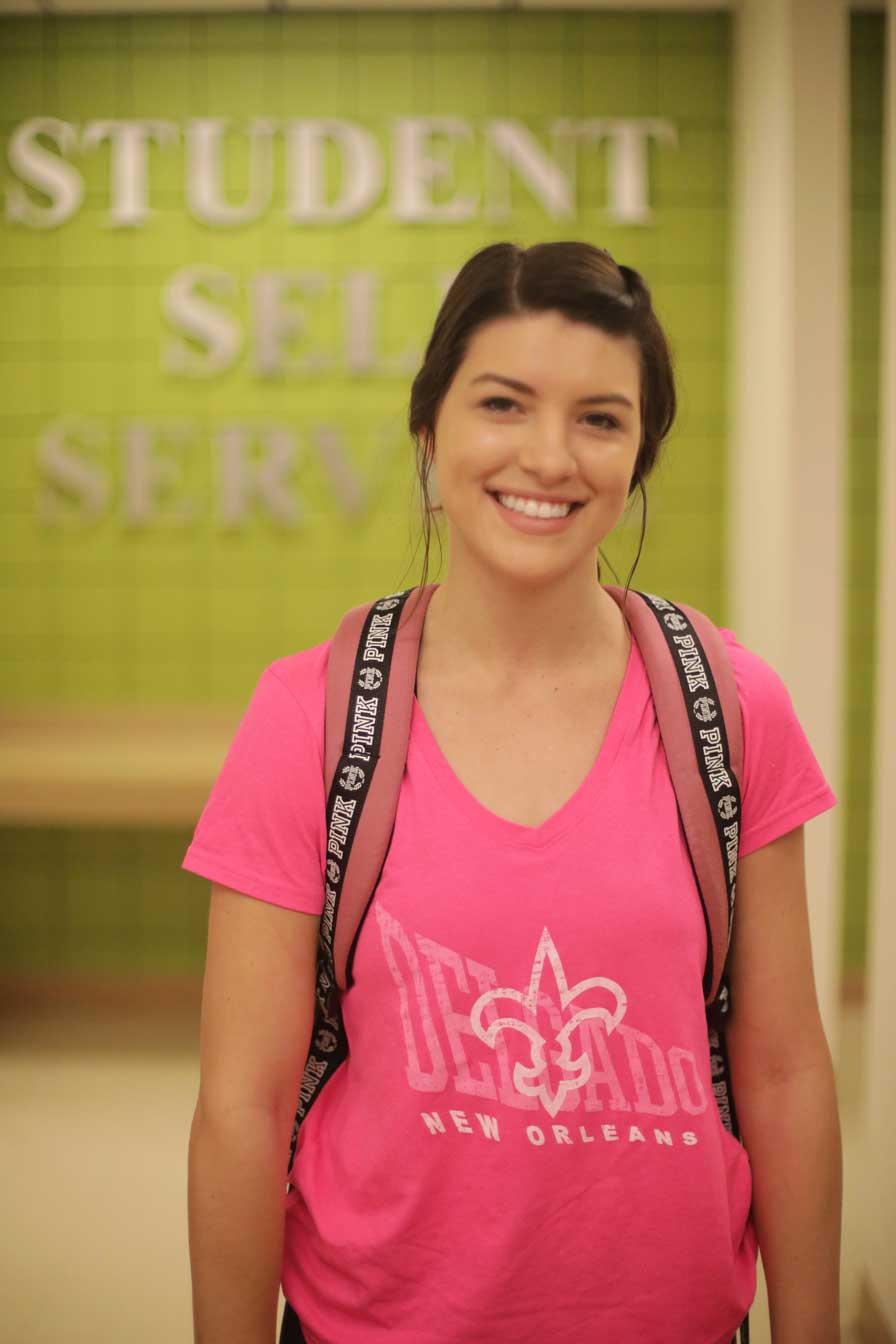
<point>503,628</point>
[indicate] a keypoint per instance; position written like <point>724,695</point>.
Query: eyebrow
<point>530,391</point>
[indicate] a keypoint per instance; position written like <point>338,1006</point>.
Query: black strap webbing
<point>351,783</point>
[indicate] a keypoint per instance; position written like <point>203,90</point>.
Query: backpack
<point>371,679</point>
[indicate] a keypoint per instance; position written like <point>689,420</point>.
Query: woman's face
<point>548,441</point>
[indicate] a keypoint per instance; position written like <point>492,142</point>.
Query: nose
<point>547,450</point>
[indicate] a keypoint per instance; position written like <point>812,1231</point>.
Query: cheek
<point>610,475</point>
<point>612,496</point>
<point>476,460</point>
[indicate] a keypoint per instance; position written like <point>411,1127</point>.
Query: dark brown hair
<point>577,279</point>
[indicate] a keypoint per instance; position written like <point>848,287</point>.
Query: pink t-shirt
<point>451,1188</point>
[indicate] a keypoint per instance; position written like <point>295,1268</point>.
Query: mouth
<point>574,504</point>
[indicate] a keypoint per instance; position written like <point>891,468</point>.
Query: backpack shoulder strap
<point>698,710</point>
<point>372,667</point>
<point>375,650</point>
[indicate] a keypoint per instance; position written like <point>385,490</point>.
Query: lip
<point>523,523</point>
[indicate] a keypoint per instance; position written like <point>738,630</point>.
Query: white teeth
<point>533,508</point>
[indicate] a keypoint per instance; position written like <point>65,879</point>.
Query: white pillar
<point>788,396</point>
<point>878,1286</point>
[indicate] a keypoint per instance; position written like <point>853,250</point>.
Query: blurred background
<point>226,233</point>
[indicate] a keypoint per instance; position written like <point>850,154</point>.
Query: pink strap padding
<point>678,744</point>
<point>374,830</point>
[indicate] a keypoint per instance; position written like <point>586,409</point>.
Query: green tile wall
<point>92,900</point>
<point>172,613</point>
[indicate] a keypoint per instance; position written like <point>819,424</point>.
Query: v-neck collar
<point>501,829</point>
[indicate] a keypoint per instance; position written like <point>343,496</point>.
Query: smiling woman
<point>542,449</point>
<point>566,331</point>
<point>536,1098</point>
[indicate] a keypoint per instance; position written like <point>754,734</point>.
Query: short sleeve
<point>783,785</point>
<point>262,830</point>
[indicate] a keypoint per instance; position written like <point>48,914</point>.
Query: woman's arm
<point>785,1095</point>
<point>236,1185</point>
<point>257,1015</point>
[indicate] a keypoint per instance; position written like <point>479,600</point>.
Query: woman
<point>442,1195</point>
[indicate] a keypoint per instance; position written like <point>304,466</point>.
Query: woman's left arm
<point>785,1095</point>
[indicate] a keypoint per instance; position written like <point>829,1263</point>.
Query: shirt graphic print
<point>560,1057</point>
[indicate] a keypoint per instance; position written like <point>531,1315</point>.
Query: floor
<point>93,1137</point>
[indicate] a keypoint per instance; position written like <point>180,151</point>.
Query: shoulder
<point>749,666</point>
<point>783,783</point>
<point>767,710</point>
<point>747,662</point>
<point>291,690</point>
<point>761,689</point>
<point>304,673</point>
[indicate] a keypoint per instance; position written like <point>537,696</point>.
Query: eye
<point>611,421</point>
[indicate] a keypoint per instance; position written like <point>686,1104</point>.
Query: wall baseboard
<point>83,1014</point>
<point>68,990</point>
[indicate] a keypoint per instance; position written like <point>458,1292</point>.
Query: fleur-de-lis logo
<point>370,679</point>
<point>592,997</point>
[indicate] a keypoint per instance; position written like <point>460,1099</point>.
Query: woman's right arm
<point>257,1016</point>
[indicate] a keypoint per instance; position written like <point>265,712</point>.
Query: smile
<point>533,516</point>
<point>534,508</point>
